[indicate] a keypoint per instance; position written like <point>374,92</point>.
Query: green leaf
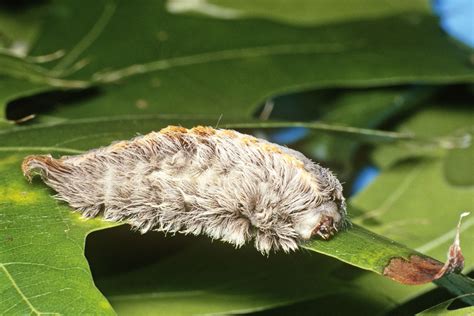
<point>364,108</point>
<point>62,137</point>
<point>234,281</point>
<point>42,263</point>
<point>161,69</point>
<point>242,281</point>
<point>456,163</point>
<point>42,241</point>
<point>412,201</point>
<point>303,11</point>
<point>442,308</point>
<point>103,130</point>
<point>427,224</point>
<point>362,248</point>
<point>25,68</point>
<point>453,128</point>
<point>428,171</point>
<point>20,27</point>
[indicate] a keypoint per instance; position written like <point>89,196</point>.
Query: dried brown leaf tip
<point>420,270</point>
<point>221,183</point>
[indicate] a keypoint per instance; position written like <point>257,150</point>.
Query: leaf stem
<point>388,135</point>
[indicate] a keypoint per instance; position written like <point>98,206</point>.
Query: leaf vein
<point>17,288</point>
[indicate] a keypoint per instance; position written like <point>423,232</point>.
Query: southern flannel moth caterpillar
<point>227,185</point>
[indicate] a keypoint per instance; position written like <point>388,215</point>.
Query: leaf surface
<point>443,308</point>
<point>42,263</point>
<point>223,68</point>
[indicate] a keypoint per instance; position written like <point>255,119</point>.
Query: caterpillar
<point>219,182</point>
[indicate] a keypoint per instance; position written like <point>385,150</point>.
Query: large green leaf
<point>235,281</point>
<point>42,263</point>
<point>224,68</point>
<point>426,224</point>
<point>240,281</point>
<point>42,249</point>
<point>64,229</point>
<point>392,205</point>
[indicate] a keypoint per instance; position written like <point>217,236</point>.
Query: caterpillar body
<point>227,185</point>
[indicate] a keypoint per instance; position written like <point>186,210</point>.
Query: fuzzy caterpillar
<point>227,185</point>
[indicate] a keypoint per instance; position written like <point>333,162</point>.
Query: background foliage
<point>96,71</point>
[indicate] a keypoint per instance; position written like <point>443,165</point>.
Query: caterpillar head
<point>329,215</point>
<point>286,218</point>
<point>323,221</point>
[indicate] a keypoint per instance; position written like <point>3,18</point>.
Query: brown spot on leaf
<point>414,271</point>
<point>420,270</point>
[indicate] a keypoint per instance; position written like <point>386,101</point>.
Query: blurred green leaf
<point>449,127</point>
<point>103,130</point>
<point>224,68</point>
<point>393,208</point>
<point>442,309</point>
<point>458,167</point>
<point>302,11</point>
<point>19,26</point>
<point>363,108</point>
